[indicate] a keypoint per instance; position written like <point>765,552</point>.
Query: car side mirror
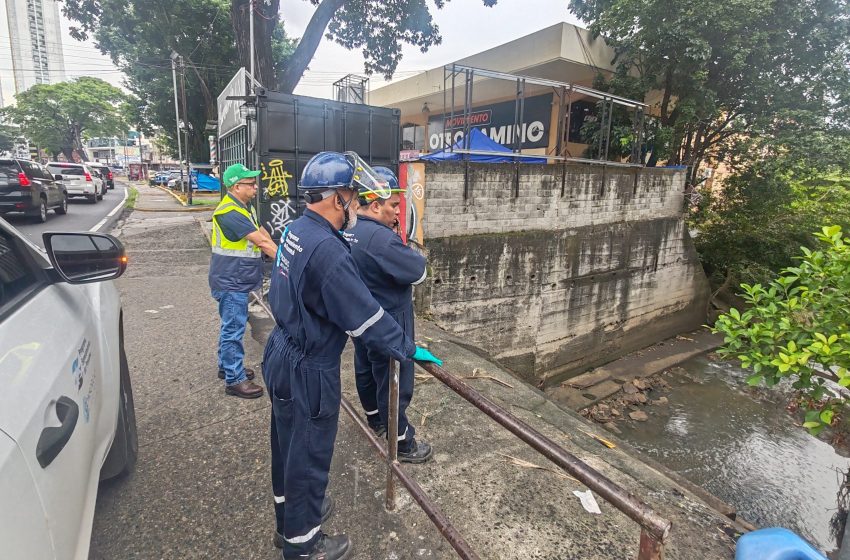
<point>81,258</point>
<point>57,177</point>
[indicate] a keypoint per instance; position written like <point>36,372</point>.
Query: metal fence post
<point>392,434</point>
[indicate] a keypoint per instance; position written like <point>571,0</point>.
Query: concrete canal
<point>741,445</point>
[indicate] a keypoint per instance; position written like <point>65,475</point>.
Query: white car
<point>79,180</point>
<point>66,409</point>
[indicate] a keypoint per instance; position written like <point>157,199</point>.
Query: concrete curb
<point>169,191</point>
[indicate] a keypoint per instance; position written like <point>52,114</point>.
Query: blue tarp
<point>203,182</point>
<point>479,141</point>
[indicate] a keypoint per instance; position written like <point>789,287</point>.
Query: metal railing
<point>654,528</point>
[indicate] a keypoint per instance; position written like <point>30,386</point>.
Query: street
<point>82,216</point>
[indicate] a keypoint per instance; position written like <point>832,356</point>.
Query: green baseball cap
<point>237,172</point>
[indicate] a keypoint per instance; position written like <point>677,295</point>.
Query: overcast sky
<point>467,27</point>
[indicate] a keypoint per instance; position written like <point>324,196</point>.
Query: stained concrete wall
<point>568,269</point>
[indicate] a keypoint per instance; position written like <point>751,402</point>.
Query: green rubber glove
<point>423,355</point>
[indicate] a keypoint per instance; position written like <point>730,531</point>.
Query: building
<point>562,52</point>
<point>35,44</point>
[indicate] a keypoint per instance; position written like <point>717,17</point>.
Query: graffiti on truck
<point>275,179</point>
<point>282,213</point>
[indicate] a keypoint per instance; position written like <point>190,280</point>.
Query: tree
<point>728,71</point>
<point>378,27</point>
<point>797,328</point>
<point>59,116</point>
<point>139,37</point>
<point>8,133</point>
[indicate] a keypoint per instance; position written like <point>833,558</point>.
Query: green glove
<point>423,355</point>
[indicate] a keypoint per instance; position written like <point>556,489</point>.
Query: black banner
<point>497,122</point>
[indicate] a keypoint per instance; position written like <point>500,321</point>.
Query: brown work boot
<point>245,390</point>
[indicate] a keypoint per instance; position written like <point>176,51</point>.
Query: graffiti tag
<point>275,178</point>
<point>282,213</point>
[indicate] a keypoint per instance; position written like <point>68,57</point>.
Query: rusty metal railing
<point>654,528</point>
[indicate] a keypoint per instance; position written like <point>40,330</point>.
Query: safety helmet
<point>392,183</point>
<point>328,171</point>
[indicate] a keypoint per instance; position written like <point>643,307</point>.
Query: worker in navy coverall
<point>318,300</point>
<point>390,269</point>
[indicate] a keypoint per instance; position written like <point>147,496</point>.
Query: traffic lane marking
<point>112,212</point>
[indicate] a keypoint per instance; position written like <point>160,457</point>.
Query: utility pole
<point>251,34</point>
<point>185,130</point>
<point>174,57</point>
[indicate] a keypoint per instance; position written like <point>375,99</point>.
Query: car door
<point>23,528</point>
<point>51,188</point>
<point>51,397</point>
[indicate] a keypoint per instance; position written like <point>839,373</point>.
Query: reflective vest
<point>221,245</point>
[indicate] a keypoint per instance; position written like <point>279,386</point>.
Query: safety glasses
<point>366,180</point>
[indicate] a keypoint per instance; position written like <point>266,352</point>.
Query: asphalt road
<point>82,216</point>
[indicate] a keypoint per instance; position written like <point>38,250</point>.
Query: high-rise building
<point>35,42</point>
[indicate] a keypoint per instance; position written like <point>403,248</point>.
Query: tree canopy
<point>730,72</point>
<point>57,117</point>
<point>139,37</point>
<point>378,27</point>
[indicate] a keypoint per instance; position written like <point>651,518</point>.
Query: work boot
<point>245,390</point>
<point>379,430</point>
<point>417,452</point>
<point>336,547</point>
<point>327,509</point>
<point>249,373</point>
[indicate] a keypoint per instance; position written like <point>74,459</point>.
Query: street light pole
<point>174,57</point>
<point>186,130</point>
<point>251,34</point>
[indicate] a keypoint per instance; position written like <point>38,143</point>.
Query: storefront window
<point>413,137</point>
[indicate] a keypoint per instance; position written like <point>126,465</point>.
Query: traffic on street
<point>81,216</point>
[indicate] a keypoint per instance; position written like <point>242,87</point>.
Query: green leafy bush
<point>796,327</point>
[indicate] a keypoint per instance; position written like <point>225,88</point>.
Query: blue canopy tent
<point>480,142</point>
<point>204,182</point>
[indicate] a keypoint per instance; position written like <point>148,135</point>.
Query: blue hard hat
<point>390,177</point>
<point>327,170</point>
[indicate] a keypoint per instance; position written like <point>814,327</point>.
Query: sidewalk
<point>202,485</point>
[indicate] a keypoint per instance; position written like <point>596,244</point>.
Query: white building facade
<point>35,45</point>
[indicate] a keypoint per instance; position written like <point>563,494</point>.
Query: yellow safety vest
<point>221,245</point>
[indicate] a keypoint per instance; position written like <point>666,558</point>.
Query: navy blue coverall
<point>318,300</point>
<point>389,269</point>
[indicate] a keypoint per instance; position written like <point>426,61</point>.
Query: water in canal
<point>747,451</point>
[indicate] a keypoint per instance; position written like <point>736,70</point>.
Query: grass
<point>196,201</point>
<point>131,198</point>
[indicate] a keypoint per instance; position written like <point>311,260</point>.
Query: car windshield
<point>57,170</point>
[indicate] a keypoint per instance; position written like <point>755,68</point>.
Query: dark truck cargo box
<point>292,128</point>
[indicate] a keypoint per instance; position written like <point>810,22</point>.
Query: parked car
<point>29,187</point>
<point>161,178</point>
<point>78,180</point>
<point>105,173</point>
<point>67,418</point>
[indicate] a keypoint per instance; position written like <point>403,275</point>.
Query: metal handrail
<point>654,527</point>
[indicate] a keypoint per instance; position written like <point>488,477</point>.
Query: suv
<point>105,172</point>
<point>27,186</point>
<point>67,419</point>
<point>78,180</point>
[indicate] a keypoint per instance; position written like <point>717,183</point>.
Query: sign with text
<point>497,122</point>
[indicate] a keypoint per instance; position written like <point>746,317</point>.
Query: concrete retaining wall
<point>571,268</point>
